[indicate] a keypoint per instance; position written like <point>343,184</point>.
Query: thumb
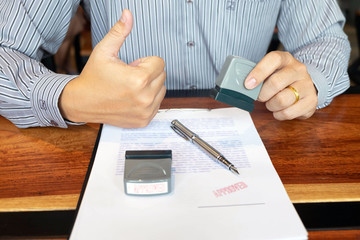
<point>114,39</point>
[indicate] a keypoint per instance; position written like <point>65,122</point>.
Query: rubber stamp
<point>230,87</point>
<point>148,172</point>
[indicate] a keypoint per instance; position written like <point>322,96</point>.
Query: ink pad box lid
<point>148,172</point>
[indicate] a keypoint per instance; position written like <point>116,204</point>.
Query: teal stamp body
<point>230,87</point>
<point>148,173</point>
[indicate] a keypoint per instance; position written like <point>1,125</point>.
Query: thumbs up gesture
<point>112,92</point>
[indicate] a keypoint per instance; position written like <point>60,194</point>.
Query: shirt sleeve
<point>312,32</point>
<point>29,92</point>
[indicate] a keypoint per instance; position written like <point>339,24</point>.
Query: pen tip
<point>234,170</point>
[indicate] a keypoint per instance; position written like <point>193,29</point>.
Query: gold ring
<point>296,93</point>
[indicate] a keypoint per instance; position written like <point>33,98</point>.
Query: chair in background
<point>354,68</point>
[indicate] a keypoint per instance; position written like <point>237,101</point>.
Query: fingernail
<point>250,83</point>
<point>123,19</point>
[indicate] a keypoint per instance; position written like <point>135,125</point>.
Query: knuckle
<point>301,67</point>
<point>145,118</point>
<point>282,57</point>
<point>276,56</point>
<point>278,116</point>
<point>117,30</point>
<point>270,106</point>
<point>160,61</point>
<point>287,115</point>
<point>262,97</point>
<point>281,101</point>
<point>287,54</point>
<point>287,58</point>
<point>145,101</point>
<point>141,79</point>
<point>275,83</point>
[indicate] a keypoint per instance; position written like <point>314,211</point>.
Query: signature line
<point>233,205</point>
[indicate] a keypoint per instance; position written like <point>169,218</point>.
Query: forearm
<point>312,32</point>
<point>29,92</point>
<point>327,61</point>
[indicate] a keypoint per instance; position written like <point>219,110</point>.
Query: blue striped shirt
<point>193,37</point>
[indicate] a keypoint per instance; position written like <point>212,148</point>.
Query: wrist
<point>69,102</point>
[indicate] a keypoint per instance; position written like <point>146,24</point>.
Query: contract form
<point>207,201</point>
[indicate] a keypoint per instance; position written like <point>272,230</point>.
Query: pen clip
<point>179,132</point>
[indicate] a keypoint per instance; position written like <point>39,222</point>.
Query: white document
<point>207,202</point>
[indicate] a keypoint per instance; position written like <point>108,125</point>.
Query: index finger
<point>271,62</point>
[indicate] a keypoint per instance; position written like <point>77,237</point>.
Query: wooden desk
<point>318,160</point>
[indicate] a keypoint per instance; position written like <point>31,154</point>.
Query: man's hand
<point>279,70</point>
<point>112,92</point>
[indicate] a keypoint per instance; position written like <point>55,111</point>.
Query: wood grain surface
<point>317,159</point>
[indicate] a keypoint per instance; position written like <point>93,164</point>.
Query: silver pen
<point>194,138</point>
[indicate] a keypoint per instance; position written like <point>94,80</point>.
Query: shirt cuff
<point>320,83</point>
<point>45,97</point>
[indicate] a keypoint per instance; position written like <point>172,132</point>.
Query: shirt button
<point>192,87</point>
<point>190,43</point>
<point>53,123</point>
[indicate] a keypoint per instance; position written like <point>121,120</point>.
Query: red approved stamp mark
<point>229,189</point>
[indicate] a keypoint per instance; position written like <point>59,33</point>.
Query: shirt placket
<point>190,44</point>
